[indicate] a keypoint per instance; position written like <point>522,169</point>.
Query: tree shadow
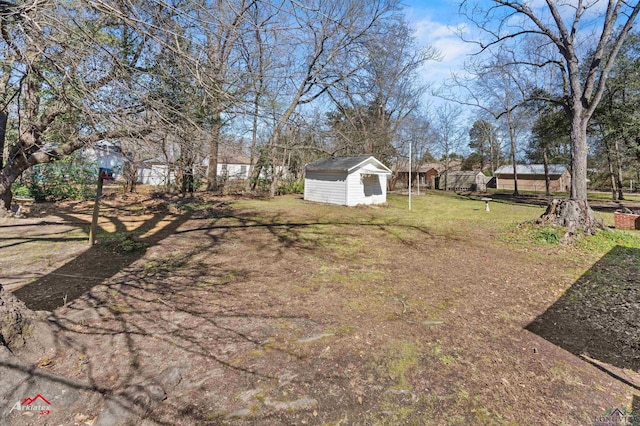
<point>95,264</point>
<point>192,306</point>
<point>597,317</point>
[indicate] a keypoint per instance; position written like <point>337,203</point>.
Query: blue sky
<point>436,22</point>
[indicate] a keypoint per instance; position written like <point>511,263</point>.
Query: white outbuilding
<point>347,181</point>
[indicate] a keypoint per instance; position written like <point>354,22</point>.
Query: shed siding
<point>535,182</point>
<point>325,187</point>
<point>370,189</point>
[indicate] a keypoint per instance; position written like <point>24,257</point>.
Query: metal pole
<point>409,175</point>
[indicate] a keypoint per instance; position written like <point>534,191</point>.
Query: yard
<point>279,311</point>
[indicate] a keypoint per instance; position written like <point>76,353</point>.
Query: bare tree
<point>373,104</point>
<point>496,87</point>
<point>449,134</point>
<point>324,40</point>
<point>417,132</point>
<point>569,27</point>
<point>483,139</point>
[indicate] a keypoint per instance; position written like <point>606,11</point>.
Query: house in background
<point>462,181</point>
<point>160,171</point>
<point>156,171</point>
<point>346,181</point>
<point>426,175</point>
<point>107,156</point>
<point>233,166</point>
<point>531,177</point>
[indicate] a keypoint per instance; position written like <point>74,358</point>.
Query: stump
<point>575,215</point>
<point>16,321</point>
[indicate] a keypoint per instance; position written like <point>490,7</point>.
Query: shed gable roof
<point>532,169</point>
<point>345,164</point>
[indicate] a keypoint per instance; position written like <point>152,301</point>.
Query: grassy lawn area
<point>280,311</point>
<point>592,195</point>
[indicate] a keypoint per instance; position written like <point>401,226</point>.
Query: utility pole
<point>409,174</point>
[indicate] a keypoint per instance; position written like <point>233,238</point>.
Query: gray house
<point>347,181</point>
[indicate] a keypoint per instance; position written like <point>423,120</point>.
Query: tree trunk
<point>130,175</point>
<point>277,174</point>
<point>255,176</point>
<point>254,142</point>
<point>446,168</point>
<point>15,321</point>
<point>616,153</point>
<point>512,139</point>
<point>5,202</point>
<point>187,179</point>
<point>212,173</point>
<point>8,175</point>
<point>614,190</point>
<point>579,151</point>
<point>3,133</point>
<point>575,215</point>
<point>547,179</point>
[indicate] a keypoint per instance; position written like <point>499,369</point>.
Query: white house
<point>156,171</point>
<point>346,181</point>
<point>233,166</point>
<point>107,156</point>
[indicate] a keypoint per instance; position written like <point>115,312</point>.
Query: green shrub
<point>69,178</point>
<point>20,190</point>
<point>291,187</point>
<point>547,235</point>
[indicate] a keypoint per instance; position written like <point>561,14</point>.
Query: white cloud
<point>454,51</point>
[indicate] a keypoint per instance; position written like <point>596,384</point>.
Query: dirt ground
<point>270,313</point>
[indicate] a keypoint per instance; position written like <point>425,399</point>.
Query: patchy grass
<point>379,314</point>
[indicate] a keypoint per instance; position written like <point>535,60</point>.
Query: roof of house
<point>463,173</point>
<point>403,166</point>
<point>347,164</point>
<point>233,159</point>
<point>532,169</point>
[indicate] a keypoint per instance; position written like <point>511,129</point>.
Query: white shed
<point>347,181</point>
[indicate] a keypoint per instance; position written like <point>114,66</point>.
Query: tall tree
<point>325,40</point>
<point>448,133</point>
<point>373,104</point>
<point>74,78</point>
<point>549,140</point>
<point>567,26</point>
<point>483,140</point>
<point>616,122</point>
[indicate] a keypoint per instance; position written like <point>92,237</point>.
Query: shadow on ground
<point>97,263</point>
<point>206,323</point>
<point>597,317</point>
<point>541,200</point>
